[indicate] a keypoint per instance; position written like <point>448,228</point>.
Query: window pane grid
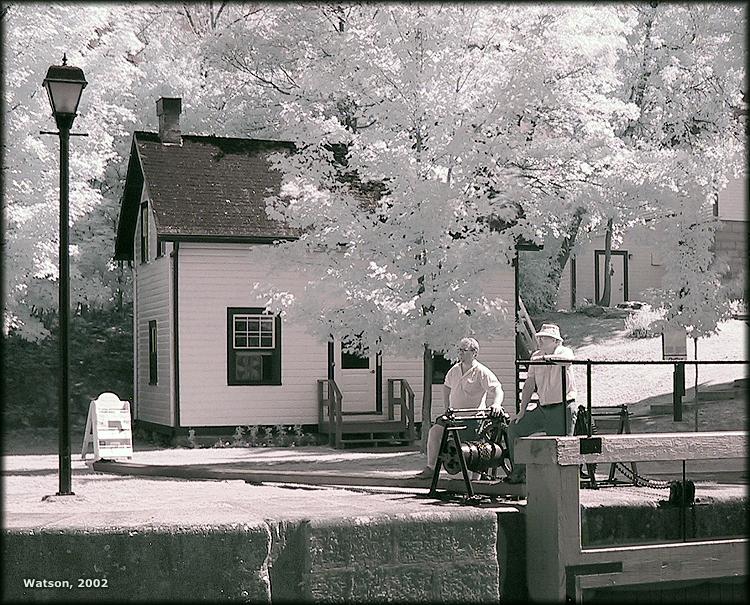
<point>254,332</point>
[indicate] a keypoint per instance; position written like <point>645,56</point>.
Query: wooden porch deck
<point>394,427</point>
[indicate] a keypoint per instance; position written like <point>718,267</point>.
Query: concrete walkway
<point>182,486</point>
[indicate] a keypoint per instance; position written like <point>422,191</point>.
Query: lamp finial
<point>65,59</point>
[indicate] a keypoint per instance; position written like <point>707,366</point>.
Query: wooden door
<point>357,377</point>
<point>619,273</point>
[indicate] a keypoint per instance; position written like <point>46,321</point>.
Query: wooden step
<point>364,426</point>
<point>385,441</point>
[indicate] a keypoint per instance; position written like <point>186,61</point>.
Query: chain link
<point>639,480</point>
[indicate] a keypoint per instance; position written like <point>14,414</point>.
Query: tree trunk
<point>606,297</point>
<point>695,345</point>
<point>426,397</point>
<point>562,256</point>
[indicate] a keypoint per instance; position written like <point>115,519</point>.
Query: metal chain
<point>641,481</point>
<point>638,480</point>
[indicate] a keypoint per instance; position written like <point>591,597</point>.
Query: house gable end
<point>131,199</point>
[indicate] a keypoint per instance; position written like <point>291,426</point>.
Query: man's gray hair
<point>468,343</point>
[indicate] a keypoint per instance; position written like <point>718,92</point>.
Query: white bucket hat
<point>550,330</point>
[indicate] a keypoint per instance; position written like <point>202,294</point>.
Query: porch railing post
<point>588,398</point>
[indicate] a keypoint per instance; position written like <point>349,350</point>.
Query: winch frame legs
<point>447,433</point>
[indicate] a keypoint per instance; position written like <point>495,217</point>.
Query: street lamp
<point>64,84</point>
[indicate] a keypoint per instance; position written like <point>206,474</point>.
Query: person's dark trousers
<point>556,419</point>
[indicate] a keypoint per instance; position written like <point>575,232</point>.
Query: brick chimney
<point>169,110</point>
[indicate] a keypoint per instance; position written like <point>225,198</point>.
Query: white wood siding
<point>496,351</point>
<point>153,302</point>
<point>733,200</point>
<point>212,278</point>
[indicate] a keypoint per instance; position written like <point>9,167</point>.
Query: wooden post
<point>552,528</point>
<point>678,390</point>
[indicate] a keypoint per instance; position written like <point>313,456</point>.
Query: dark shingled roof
<point>209,188</point>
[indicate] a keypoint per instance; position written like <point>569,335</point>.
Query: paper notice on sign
<point>674,343</point>
<point>108,429</point>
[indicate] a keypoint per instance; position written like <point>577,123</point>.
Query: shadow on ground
<point>579,330</point>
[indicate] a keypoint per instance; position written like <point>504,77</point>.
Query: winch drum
<point>480,456</point>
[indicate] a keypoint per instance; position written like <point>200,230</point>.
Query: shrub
<point>590,310</point>
<point>252,435</point>
<point>238,439</point>
<point>279,435</point>
<point>738,307</point>
<point>101,359</point>
<point>266,439</point>
<point>644,323</point>
<point>282,440</point>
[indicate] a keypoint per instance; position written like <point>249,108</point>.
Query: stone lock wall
<point>433,557</point>
<point>224,563</point>
<point>436,558</point>
<point>458,555</point>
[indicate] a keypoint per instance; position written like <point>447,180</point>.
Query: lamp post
<point>64,84</point>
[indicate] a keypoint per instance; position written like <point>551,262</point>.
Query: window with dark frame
<point>440,367</point>
<point>352,361</point>
<point>153,377</point>
<point>144,232</point>
<point>253,347</point>
<point>160,247</point>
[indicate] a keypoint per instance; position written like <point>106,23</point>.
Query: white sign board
<point>674,343</point>
<point>108,428</point>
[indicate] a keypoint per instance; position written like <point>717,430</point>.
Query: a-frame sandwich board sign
<point>108,428</point>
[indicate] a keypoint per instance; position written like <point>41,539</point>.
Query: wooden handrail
<point>406,401</point>
<point>334,402</point>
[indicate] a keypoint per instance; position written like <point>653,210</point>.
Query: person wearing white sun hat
<point>555,414</point>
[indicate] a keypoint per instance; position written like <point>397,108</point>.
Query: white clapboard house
<point>206,356</point>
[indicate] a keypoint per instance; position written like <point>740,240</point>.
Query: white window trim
<point>262,319</point>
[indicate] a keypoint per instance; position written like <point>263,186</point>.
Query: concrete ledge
<point>440,556</point>
<point>172,564</point>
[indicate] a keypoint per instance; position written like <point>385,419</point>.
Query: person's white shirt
<point>548,378</point>
<point>470,389</point>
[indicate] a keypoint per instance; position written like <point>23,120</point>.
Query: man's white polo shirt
<point>469,389</point>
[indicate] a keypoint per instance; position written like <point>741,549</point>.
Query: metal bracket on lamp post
<point>72,134</point>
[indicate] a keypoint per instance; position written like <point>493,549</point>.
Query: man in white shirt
<point>468,384</point>
<point>555,414</point>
